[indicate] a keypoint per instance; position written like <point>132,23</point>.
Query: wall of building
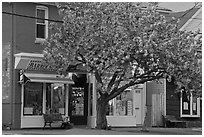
<point>6,23</point>
<point>25,27</point>
<point>6,58</point>
<point>16,101</point>
<point>172,100</point>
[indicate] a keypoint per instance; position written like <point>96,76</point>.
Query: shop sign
<point>38,65</point>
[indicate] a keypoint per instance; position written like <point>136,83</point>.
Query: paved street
<point>114,131</point>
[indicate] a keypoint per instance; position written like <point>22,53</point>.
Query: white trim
<point>67,100</point>
<point>41,75</point>
<point>22,102</point>
<point>44,98</point>
<point>94,113</point>
<point>38,40</point>
<point>190,116</point>
<point>181,104</point>
<point>198,106</point>
<point>191,104</point>
<point>29,55</point>
<point>48,78</point>
<point>164,97</point>
<point>190,20</point>
<point>143,103</point>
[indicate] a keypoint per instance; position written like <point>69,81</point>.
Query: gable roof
<point>183,16</point>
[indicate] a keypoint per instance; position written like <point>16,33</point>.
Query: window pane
<point>40,14</point>
<point>33,95</point>
<point>40,31</point>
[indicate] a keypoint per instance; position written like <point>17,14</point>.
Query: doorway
<point>138,106</point>
<point>78,101</point>
<point>55,98</point>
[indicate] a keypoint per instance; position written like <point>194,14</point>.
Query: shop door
<point>55,98</point>
<point>78,105</point>
<point>138,106</point>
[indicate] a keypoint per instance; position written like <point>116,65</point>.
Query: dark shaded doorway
<point>78,100</point>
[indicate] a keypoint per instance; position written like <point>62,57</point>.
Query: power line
<point>25,16</point>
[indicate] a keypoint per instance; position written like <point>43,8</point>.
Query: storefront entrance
<point>78,101</point>
<point>127,109</point>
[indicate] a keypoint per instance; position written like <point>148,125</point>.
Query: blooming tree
<point>123,44</point>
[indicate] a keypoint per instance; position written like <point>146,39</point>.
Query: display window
<point>122,104</point>
<point>33,97</point>
<point>55,98</point>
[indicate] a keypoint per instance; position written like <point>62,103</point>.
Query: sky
<point>177,6</point>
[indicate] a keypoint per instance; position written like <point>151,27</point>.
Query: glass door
<point>55,98</point>
<point>77,101</point>
<point>78,105</point>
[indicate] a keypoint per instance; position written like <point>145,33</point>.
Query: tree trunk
<point>101,120</point>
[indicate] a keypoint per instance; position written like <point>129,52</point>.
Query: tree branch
<point>113,79</point>
<point>117,83</point>
<point>118,91</point>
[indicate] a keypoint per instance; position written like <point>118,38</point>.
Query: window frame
<point>40,7</point>
<point>191,106</point>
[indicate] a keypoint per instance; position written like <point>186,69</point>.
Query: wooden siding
<point>157,109</point>
<point>155,101</point>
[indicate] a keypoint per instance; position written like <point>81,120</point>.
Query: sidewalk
<point>115,131</point>
<point>163,131</point>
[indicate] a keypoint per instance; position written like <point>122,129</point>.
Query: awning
<point>24,60</point>
<point>48,78</point>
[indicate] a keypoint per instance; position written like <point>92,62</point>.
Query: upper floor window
<point>41,23</point>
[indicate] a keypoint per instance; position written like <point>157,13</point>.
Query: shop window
<point>122,104</point>
<point>33,96</point>
<point>190,105</point>
<point>41,23</point>
<point>55,98</point>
